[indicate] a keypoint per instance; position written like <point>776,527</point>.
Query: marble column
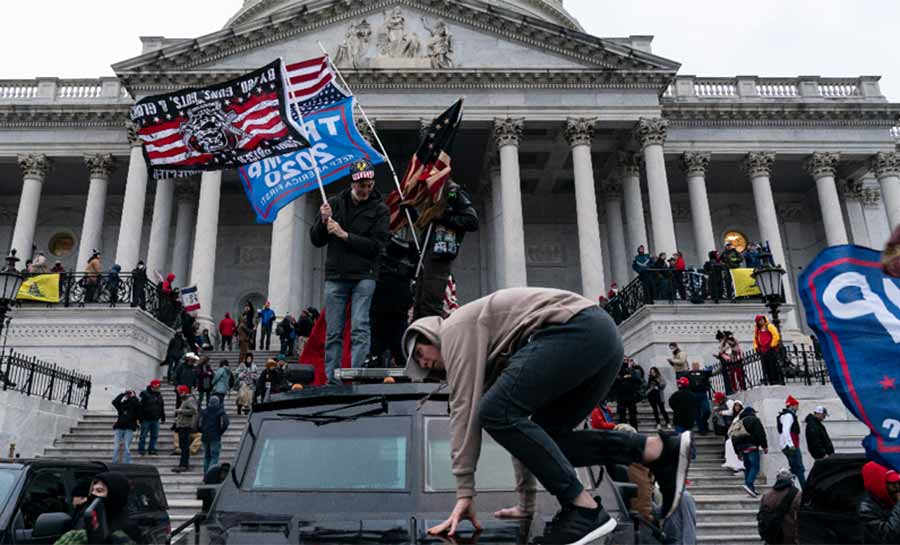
<point>822,167</point>
<point>694,164</point>
<point>507,133</point>
<point>286,262</point>
<point>203,265</point>
<point>853,193</point>
<point>101,167</point>
<point>160,225</point>
<point>496,182</point>
<point>619,257</point>
<point>630,165</point>
<point>758,167</point>
<point>887,168</point>
<point>186,192</point>
<point>651,133</point>
<point>578,133</point>
<point>35,169</point>
<point>129,244</point>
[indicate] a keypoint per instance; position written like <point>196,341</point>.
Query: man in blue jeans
<point>788,426</point>
<point>749,437</point>
<point>153,411</point>
<point>354,225</point>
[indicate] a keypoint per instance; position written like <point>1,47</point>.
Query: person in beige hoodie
<point>527,365</point>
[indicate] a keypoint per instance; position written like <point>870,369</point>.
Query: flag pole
<point>303,130</point>
<point>384,153</point>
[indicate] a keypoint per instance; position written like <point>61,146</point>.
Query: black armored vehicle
<point>368,463</point>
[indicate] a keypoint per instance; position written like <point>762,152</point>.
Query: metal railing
<point>106,289</point>
<point>33,377</point>
<point>795,364</point>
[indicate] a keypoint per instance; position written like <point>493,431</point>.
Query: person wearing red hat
<point>879,511</point>
<point>683,405</point>
<point>153,411</point>
<point>186,420</point>
<point>788,426</point>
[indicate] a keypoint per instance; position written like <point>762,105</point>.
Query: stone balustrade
<point>70,90</point>
<point>754,88</point>
<point>895,134</point>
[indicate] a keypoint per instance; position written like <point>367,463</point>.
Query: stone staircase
<point>725,513</point>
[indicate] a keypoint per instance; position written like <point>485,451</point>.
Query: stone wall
<point>120,348</point>
<point>32,423</point>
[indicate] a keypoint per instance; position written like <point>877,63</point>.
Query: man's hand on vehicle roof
<point>464,510</point>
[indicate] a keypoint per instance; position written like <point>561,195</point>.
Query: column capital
<point>508,131</point>
<point>822,164</point>
<point>851,190</point>
<point>35,166</point>
<point>187,190</point>
<point>758,163</point>
<point>101,165</point>
<point>364,130</point>
<point>132,132</point>
<point>886,164</point>
<point>870,197</point>
<point>611,190</point>
<point>694,163</point>
<point>579,130</point>
<point>630,162</point>
<point>652,130</point>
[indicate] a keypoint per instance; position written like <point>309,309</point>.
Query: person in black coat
<point>354,225</point>
<point>391,302</point>
<point>139,285</point>
<point>127,421</point>
<point>748,444</point>
<point>683,406</point>
<point>879,510</point>
<point>817,440</point>
<point>153,412</point>
<point>627,389</point>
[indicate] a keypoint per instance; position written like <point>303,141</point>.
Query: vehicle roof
<point>326,395</point>
<point>127,469</point>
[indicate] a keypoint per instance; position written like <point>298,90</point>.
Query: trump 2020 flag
<point>273,183</point>
<point>854,310</point>
<point>217,127</point>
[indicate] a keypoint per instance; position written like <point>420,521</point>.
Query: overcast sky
<point>81,38</point>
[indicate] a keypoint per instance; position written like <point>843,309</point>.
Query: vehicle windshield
<point>297,455</point>
<point>495,470</point>
<point>7,481</point>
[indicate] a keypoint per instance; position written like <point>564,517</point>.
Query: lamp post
<point>10,282</point>
<point>768,278</point>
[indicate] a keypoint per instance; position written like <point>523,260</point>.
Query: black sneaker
<point>577,526</point>
<point>671,470</point>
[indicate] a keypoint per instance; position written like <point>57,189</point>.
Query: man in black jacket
<point>699,379</point>
<point>354,226</point>
<point>153,411</point>
<point>817,440</point>
<point>453,216</point>
<point>129,414</point>
<point>683,407</point>
<point>747,442</point>
<point>879,511</point>
<point>627,391</point>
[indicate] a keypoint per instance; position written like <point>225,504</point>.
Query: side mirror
<point>217,474</point>
<point>51,524</point>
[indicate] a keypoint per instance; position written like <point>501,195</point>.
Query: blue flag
<point>335,142</point>
<point>854,309</point>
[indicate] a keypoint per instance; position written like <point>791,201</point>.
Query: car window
<point>45,493</point>
<point>146,495</point>
<point>8,479</point>
<point>494,473</point>
<point>297,455</point>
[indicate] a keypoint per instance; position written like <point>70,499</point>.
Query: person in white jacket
<point>732,461</point>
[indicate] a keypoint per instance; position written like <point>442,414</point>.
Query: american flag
<point>451,303</point>
<point>312,86</point>
<point>430,166</point>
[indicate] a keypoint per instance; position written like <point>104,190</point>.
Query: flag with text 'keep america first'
<point>218,127</point>
<point>273,183</point>
<point>854,310</point>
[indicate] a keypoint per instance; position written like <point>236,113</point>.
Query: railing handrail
<point>32,376</point>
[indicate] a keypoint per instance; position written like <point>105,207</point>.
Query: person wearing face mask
<point>354,225</point>
<point>138,285</point>
<point>113,488</point>
<point>879,511</point>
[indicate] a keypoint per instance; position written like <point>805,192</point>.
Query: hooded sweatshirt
<point>765,338</point>
<point>227,326</point>
<point>878,511</point>
<point>118,487</point>
<point>476,342</point>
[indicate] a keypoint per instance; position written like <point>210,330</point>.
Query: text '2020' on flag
<point>218,127</point>
<point>335,143</point>
<point>429,168</point>
<point>854,310</point>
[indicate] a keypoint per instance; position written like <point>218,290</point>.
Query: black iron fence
<point>795,364</point>
<point>114,290</point>
<point>34,377</point>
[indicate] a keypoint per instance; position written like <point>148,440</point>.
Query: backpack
<point>737,429</point>
<point>769,521</point>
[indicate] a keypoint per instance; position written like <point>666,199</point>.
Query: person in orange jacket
<point>767,341</point>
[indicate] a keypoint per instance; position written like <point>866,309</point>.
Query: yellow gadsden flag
<point>43,288</point>
<point>744,284</point>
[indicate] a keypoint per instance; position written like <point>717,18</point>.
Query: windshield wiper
<point>323,417</point>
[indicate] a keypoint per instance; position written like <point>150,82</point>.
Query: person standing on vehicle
<point>354,226</point>
<point>227,329</point>
<point>788,426</point>
<point>766,341</point>
<point>817,440</point>
<point>749,437</point>
<point>516,368</point>
<point>655,388</point>
<point>778,511</point>
<point>153,412</point>
<point>699,379</point>
<point>266,320</point>
<point>127,421</point>
<point>186,420</point>
<point>879,511</point>
<point>213,424</point>
<point>222,382</point>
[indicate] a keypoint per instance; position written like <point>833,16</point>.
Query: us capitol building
<point>577,149</point>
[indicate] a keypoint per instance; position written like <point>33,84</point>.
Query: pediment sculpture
<point>397,44</point>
